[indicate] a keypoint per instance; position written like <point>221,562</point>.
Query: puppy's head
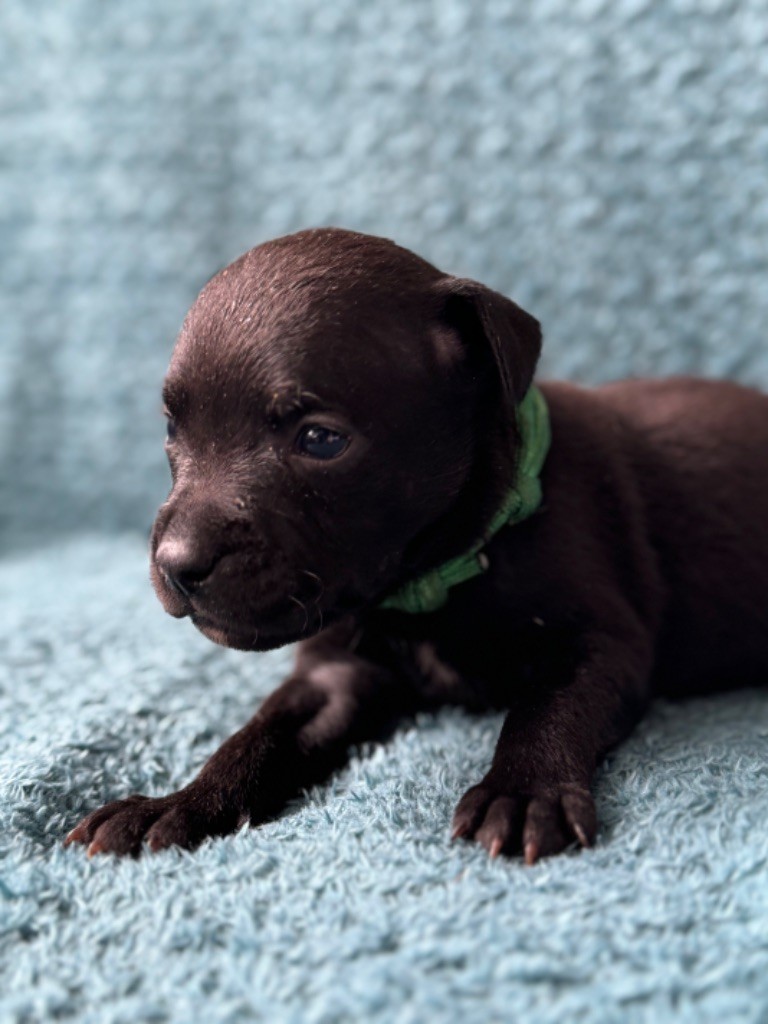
<point>341,417</point>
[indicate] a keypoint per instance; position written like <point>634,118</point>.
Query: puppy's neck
<point>428,591</point>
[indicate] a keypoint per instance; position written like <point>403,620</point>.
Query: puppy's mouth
<point>248,625</point>
<point>225,635</point>
<point>260,628</point>
<point>264,637</point>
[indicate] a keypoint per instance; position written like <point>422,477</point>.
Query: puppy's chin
<point>248,640</point>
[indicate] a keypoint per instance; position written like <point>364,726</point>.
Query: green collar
<point>429,592</point>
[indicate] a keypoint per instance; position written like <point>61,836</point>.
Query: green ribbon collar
<point>429,592</point>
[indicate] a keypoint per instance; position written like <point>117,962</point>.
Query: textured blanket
<point>604,163</point>
<point>354,903</point>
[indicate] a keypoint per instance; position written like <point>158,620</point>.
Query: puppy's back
<point>692,410</point>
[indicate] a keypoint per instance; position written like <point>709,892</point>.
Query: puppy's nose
<point>184,567</point>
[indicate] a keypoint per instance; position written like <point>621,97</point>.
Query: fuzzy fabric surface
<point>603,163</point>
<point>354,905</point>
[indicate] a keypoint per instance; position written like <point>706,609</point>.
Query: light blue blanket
<point>355,903</point>
<point>605,165</point>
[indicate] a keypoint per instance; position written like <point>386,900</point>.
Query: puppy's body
<point>702,457</point>
<point>643,531</point>
<point>644,570</point>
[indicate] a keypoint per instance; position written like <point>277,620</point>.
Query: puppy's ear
<point>487,323</point>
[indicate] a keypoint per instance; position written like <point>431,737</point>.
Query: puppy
<point>361,463</point>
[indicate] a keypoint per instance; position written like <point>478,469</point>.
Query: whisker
<point>285,515</point>
<point>314,576</point>
<point>316,598</point>
<point>303,608</point>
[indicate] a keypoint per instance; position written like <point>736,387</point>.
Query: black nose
<point>184,567</point>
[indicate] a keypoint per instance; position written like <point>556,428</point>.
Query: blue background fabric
<point>604,163</point>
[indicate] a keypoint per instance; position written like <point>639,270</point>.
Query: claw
<point>531,852</point>
<point>495,848</point>
<point>77,835</point>
<point>581,835</point>
<point>94,848</point>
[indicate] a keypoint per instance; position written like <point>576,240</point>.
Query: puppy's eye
<point>170,429</point>
<point>321,442</point>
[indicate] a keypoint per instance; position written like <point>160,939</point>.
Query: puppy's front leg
<point>299,735</point>
<point>536,796</point>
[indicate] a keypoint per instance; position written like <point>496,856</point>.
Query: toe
<point>124,831</point>
<point>177,827</point>
<point>580,814</point>
<point>86,829</point>
<point>500,830</point>
<point>544,830</point>
<point>470,811</point>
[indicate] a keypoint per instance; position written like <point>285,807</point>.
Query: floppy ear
<point>485,319</point>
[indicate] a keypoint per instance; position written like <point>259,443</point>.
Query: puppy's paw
<point>507,821</point>
<point>123,826</point>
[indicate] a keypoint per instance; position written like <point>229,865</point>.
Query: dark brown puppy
<point>342,417</point>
